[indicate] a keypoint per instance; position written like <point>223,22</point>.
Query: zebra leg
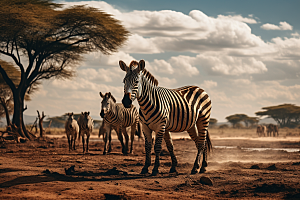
<point>193,134</point>
<point>105,142</point>
<point>87,142</point>
<point>75,137</point>
<point>169,143</point>
<point>133,130</point>
<point>71,142</point>
<point>204,142</point>
<point>109,141</point>
<point>120,137</point>
<point>126,139</point>
<point>68,136</point>
<point>83,143</point>
<point>148,146</point>
<point>157,149</point>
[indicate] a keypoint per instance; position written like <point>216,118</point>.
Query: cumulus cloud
<point>208,84</point>
<point>220,54</point>
<point>160,66</point>
<point>183,67</point>
<point>282,26</point>
<point>248,20</point>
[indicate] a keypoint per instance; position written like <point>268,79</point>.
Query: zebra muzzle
<point>126,101</point>
<point>102,114</point>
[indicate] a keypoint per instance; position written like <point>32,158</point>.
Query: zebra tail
<point>208,142</point>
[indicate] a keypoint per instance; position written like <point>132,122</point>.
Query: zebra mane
<point>133,64</point>
<point>150,77</point>
<point>113,98</point>
<point>146,73</point>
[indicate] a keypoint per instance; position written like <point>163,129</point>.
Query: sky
<point>244,54</point>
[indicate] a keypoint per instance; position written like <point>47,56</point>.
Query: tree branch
<point>7,79</point>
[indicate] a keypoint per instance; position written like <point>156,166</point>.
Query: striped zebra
<point>86,126</point>
<point>272,128</point>
<point>72,130</point>
<point>116,116</point>
<point>165,110</point>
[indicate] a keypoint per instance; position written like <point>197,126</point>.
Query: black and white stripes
<point>165,110</point>
<point>117,117</point>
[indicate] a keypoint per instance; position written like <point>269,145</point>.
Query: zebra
<point>72,129</point>
<point>86,126</point>
<point>271,128</point>
<point>116,116</point>
<point>261,130</point>
<point>102,131</point>
<point>165,110</point>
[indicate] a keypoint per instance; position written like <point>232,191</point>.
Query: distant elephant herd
<point>268,130</point>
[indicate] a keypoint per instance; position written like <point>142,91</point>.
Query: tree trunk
<point>18,115</point>
<point>3,103</point>
<point>41,118</point>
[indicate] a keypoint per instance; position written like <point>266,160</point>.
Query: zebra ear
<point>123,66</point>
<point>88,113</point>
<point>141,65</point>
<point>101,95</point>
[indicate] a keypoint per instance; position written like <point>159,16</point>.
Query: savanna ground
<point>241,166</point>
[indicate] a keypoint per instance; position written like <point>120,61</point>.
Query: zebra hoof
<point>202,170</point>
<point>194,171</point>
<point>154,172</point>
<point>144,171</point>
<point>104,153</point>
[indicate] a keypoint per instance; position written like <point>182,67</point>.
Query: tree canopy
<point>45,41</point>
<point>286,115</point>
<point>237,118</point>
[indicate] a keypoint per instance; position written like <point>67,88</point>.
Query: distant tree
<point>213,121</point>
<point>286,115</point>
<point>252,121</point>
<point>235,119</point>
<point>45,42</point>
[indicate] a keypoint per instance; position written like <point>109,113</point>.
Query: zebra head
<point>106,103</point>
<point>87,121</point>
<point>131,81</point>
<point>70,119</point>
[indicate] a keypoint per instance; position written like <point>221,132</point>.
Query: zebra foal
<point>86,126</point>
<point>72,130</point>
<point>165,110</point>
<point>116,116</point>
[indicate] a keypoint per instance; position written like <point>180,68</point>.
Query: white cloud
<point>208,84</point>
<point>248,20</point>
<point>160,66</point>
<point>183,67</point>
<point>230,62</point>
<point>282,26</point>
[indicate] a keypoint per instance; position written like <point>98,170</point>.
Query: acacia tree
<point>237,118</point>
<point>286,115</point>
<point>46,41</point>
<point>6,96</point>
<point>213,121</point>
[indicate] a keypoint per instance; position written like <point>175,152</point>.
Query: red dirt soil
<point>46,169</point>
